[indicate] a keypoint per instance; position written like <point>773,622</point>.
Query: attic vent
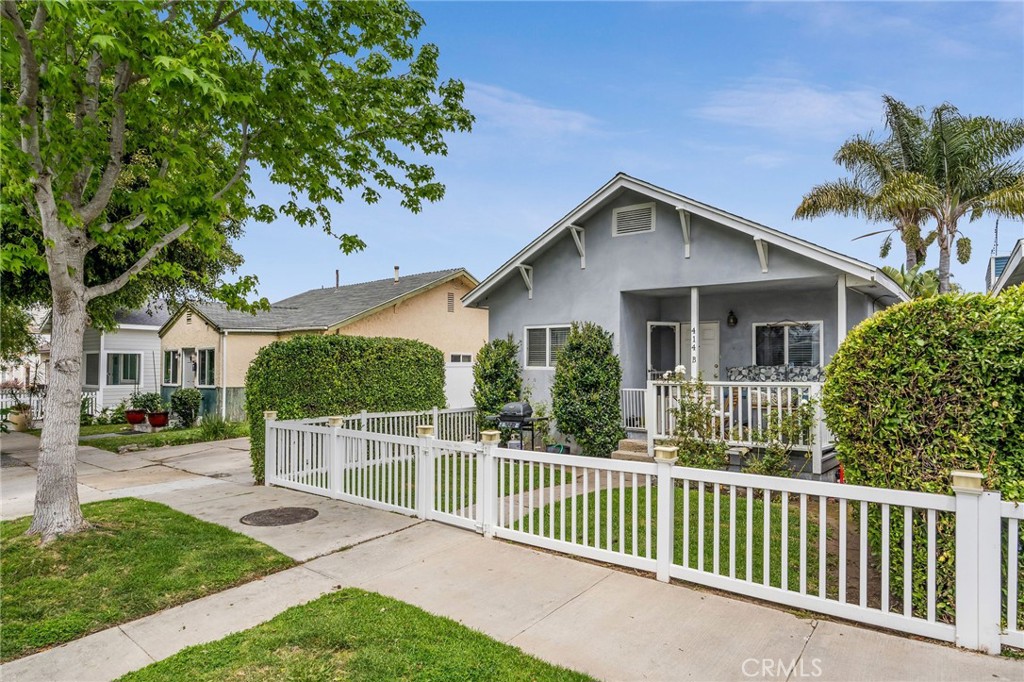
<point>188,318</point>
<point>451,302</point>
<point>633,219</point>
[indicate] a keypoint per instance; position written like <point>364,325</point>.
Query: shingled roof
<point>323,308</point>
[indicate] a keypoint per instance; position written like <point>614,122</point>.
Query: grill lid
<point>516,411</point>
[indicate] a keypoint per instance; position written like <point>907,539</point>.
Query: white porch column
<point>694,331</point>
<point>841,310</point>
<point>101,380</point>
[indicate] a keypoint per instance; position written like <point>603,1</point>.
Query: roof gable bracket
<point>527,272</point>
<point>579,236</point>
<point>684,222</point>
<point>762,253</point>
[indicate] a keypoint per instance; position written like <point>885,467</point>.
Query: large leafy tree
<point>129,131</point>
<point>873,164</point>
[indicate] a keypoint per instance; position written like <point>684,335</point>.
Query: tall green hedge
<point>585,393</point>
<point>924,388</point>
<point>315,376</point>
<point>497,377</point>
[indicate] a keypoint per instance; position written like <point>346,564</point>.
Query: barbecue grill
<point>514,415</point>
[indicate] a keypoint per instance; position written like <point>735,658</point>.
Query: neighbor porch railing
<point>743,411</point>
<point>758,536</point>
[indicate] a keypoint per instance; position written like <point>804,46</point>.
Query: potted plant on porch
<point>20,416</point>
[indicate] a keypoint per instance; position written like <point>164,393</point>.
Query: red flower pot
<point>135,416</point>
<point>157,419</point>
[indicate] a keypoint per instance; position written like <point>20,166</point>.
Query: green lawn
<point>594,531</point>
<point>140,557</point>
<point>354,635</point>
<point>93,429</point>
<point>162,438</point>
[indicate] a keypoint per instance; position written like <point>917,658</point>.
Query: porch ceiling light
<point>731,320</point>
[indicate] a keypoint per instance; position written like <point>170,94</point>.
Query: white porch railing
<point>633,404</point>
<point>759,536</point>
<point>743,409</point>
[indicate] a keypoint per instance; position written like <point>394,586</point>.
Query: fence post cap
<point>270,415</point>
<point>424,430</point>
<point>666,453</point>
<point>967,481</point>
<point>491,436</point>
<point>335,421</point>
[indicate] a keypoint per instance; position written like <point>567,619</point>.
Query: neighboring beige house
<point>210,347</point>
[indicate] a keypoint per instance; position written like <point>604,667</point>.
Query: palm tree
<point>967,168</point>
<point>874,164</point>
<point>916,281</point>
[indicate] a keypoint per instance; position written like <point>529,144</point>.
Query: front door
<point>188,367</point>
<point>662,348</point>
<point>709,356</point>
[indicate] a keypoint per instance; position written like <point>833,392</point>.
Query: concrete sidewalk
<point>609,623</point>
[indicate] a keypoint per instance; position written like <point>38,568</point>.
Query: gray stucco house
<point>679,282</point>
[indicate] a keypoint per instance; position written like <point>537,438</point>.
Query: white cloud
<point>792,107</point>
<point>498,109</point>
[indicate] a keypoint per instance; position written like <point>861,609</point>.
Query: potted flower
<point>136,414</point>
<point>20,416</point>
<point>153,405</point>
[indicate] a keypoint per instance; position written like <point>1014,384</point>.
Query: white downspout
<point>101,380</point>
<point>224,375</point>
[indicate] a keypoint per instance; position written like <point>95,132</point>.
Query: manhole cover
<point>282,516</point>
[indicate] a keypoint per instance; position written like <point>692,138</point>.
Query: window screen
<point>92,369</point>
<point>804,345</point>
<point>558,337</point>
<point>206,365</point>
<point>770,344</point>
<point>122,368</point>
<point>536,347</point>
<point>171,360</point>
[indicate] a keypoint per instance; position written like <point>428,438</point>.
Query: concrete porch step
<point>633,445</point>
<point>632,456</point>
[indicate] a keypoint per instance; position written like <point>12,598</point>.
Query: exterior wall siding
<point>146,343</point>
<point>630,280</point>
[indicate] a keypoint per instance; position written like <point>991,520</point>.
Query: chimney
<point>396,274</point>
<point>337,279</point>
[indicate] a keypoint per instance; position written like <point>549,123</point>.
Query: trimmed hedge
<point>924,388</point>
<point>314,376</point>
<point>497,377</point>
<point>585,393</point>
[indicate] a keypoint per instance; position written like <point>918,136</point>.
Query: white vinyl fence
<point>37,401</point>
<point>865,554</point>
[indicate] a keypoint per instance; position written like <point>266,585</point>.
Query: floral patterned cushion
<point>775,373</point>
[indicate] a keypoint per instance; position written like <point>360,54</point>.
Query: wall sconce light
<point>731,320</point>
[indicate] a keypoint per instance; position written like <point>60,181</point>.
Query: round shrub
<point>497,377</point>
<point>921,389</point>
<point>316,376</point>
<point>185,403</point>
<point>585,392</point>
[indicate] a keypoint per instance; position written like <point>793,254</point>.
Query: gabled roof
<point>321,309</point>
<point>153,314</point>
<point>621,182</point>
<point>1013,269</point>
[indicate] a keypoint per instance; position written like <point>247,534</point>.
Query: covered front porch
<point>760,349</point>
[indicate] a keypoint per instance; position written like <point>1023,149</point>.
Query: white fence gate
<point>804,544</point>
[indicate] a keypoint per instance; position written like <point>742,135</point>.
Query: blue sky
<point>740,105</point>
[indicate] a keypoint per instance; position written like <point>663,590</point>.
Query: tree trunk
<point>57,510</point>
<point>911,257</point>
<point>943,266</point>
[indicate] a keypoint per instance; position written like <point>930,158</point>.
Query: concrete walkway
<point>609,623</point>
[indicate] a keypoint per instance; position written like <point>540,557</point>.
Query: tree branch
<point>101,197</point>
<point>219,20</point>
<point>128,225</point>
<point>28,98</point>
<point>243,160</point>
<point>122,279</point>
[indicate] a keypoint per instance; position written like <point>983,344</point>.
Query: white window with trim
<point>123,369</point>
<point>204,368</point>
<point>789,343</point>
<point>92,369</point>
<point>461,357</point>
<point>543,344</point>
<point>172,367</point>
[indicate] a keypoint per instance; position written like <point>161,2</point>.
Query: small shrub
<point>585,392</point>
<point>312,376</point>
<point>774,443</point>
<point>497,378</point>
<point>150,402</point>
<point>696,432</point>
<point>215,427</point>
<point>117,414</point>
<point>185,402</point>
